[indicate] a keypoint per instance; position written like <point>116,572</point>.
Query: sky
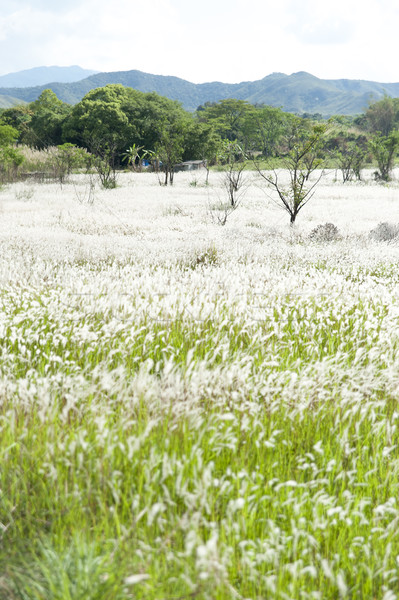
<point>207,40</point>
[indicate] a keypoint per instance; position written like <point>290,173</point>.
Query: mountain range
<point>44,75</point>
<point>298,93</point>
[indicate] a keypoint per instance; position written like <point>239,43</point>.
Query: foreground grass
<point>208,425</point>
<point>270,504</point>
<point>248,454</point>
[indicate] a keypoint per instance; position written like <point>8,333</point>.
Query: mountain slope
<point>43,75</point>
<point>299,92</point>
<point>8,101</point>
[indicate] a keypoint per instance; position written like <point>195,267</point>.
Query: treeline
<point>118,126</point>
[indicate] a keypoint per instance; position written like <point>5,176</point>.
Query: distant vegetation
<point>299,93</point>
<point>111,121</point>
<point>8,101</point>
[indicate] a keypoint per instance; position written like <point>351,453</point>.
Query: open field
<point>197,411</point>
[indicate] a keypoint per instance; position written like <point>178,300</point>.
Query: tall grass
<point>212,421</point>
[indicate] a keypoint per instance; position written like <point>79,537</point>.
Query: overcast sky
<point>207,40</point>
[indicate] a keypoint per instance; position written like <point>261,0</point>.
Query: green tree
<point>384,149</point>
<point>10,157</point>
<point>64,159</point>
<point>229,117</point>
<point>147,112</point>
<point>301,155</point>
<point>8,135</point>
<point>18,117</point>
<point>99,121</point>
<point>350,154</point>
<point>169,148</point>
<point>111,119</point>
<point>202,142</point>
<point>265,128</point>
<point>256,128</point>
<point>383,116</point>
<point>45,126</point>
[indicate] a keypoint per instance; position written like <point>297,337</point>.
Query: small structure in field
<point>190,165</point>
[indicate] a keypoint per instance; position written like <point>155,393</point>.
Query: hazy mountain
<point>43,75</point>
<point>299,92</point>
<point>8,101</point>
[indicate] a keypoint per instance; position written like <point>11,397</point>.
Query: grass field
<point>197,411</point>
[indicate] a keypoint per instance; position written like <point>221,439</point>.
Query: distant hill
<point>300,92</point>
<point>8,101</point>
<point>44,75</point>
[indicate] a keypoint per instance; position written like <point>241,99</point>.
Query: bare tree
<point>221,212</point>
<point>234,159</point>
<point>301,156</point>
<point>104,160</point>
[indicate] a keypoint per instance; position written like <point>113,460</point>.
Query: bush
<point>10,157</point>
<point>52,163</point>
<point>325,233</point>
<point>384,232</point>
<point>10,160</point>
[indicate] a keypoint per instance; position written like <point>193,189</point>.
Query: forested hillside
<point>298,93</point>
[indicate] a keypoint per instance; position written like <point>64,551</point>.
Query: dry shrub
<point>384,232</point>
<point>325,233</point>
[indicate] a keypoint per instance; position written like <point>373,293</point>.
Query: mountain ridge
<point>299,92</point>
<point>43,75</point>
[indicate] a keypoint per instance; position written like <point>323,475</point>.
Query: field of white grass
<point>190,410</point>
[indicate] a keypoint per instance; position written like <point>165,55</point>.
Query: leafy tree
<point>112,119</point>
<point>382,120</point>
<point>10,157</point>
<point>67,157</point>
<point>18,117</point>
<point>73,157</point>
<point>234,158</point>
<point>147,112</point>
<point>170,145</point>
<point>8,135</point>
<point>383,116</point>
<point>256,128</point>
<point>48,114</point>
<point>384,149</point>
<point>229,117</point>
<point>99,121</point>
<point>265,127</point>
<point>202,142</point>
<point>346,120</point>
<point>300,154</point>
<point>350,154</point>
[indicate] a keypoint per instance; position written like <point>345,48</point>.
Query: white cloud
<point>321,30</point>
<point>227,40</point>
